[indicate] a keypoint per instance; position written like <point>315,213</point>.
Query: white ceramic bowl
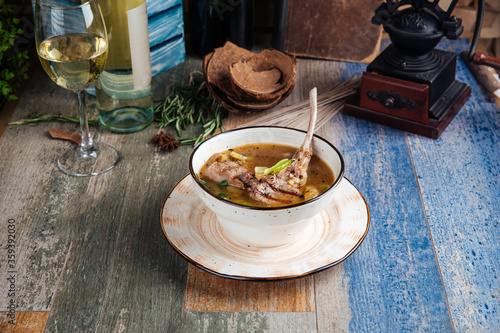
<point>256,226</point>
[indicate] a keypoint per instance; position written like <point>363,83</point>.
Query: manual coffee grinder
<point>411,85</point>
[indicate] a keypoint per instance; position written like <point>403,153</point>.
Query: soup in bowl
<point>265,224</point>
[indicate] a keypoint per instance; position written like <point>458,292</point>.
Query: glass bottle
<point>124,96</point>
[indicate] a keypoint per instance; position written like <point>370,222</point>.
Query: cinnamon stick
<point>65,135</point>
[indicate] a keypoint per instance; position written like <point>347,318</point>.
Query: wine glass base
<point>101,159</point>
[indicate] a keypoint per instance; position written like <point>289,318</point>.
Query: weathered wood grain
<point>154,6</point>
<point>25,322</point>
<point>458,179</point>
<point>119,264</point>
<point>378,162</point>
<point>332,300</point>
<point>396,263</point>
<point>207,292</point>
<point>58,216</point>
<point>265,322</point>
<point>168,55</point>
<point>91,251</point>
<point>166,25</point>
<point>166,34</point>
<point>28,200</point>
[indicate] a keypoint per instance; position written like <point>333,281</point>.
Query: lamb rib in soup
<point>227,170</point>
<point>293,178</point>
<point>284,187</point>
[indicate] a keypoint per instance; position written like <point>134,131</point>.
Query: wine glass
<point>72,46</point>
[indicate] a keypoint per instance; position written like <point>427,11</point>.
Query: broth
<point>319,176</point>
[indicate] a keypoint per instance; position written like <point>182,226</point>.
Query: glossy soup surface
<point>319,175</point>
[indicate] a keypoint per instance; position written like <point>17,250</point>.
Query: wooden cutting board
<point>336,30</point>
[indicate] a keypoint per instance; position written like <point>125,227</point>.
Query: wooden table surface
<point>90,256</point>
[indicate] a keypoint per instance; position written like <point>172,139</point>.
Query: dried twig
<point>296,115</point>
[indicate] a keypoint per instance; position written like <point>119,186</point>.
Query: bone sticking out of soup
<point>266,175</point>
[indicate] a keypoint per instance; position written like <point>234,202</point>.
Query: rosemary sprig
<point>34,119</point>
<point>190,104</point>
<point>185,105</point>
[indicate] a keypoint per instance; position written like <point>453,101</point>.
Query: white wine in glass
<point>72,46</point>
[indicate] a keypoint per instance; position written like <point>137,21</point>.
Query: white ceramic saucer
<point>193,231</point>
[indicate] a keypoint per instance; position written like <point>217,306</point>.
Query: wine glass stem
<point>87,144</point>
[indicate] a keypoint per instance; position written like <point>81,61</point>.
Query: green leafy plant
<point>13,64</point>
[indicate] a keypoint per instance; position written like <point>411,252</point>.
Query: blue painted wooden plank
<point>168,55</point>
<point>165,26</point>
<point>157,6</point>
<point>166,34</point>
<point>458,176</point>
<point>393,278</point>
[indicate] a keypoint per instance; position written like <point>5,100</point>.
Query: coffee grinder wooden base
<point>420,102</point>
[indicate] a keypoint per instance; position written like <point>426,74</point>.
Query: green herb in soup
<point>266,175</point>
